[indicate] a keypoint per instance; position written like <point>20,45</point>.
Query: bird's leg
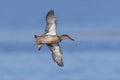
<point>40,46</point>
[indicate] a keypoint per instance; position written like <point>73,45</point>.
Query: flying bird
<point>51,39</point>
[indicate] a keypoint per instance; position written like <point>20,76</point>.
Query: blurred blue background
<point>94,55</point>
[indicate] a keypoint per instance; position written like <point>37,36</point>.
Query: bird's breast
<point>48,39</point>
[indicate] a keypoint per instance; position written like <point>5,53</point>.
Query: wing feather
<point>56,54</point>
<point>50,23</point>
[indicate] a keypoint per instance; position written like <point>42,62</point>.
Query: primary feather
<point>50,23</point>
<point>56,53</point>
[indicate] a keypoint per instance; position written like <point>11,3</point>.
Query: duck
<point>51,39</point>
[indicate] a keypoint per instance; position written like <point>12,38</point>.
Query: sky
<point>83,13</point>
<point>93,24</point>
<point>21,19</point>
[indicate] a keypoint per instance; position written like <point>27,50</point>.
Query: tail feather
<point>36,36</point>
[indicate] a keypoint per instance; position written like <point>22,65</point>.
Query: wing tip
<point>51,12</point>
<point>60,64</point>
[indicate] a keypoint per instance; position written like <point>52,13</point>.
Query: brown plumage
<point>51,39</point>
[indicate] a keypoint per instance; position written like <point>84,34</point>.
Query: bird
<point>51,39</point>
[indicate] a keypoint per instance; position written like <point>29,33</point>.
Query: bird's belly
<point>49,39</point>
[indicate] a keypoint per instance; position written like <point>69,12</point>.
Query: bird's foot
<point>39,47</point>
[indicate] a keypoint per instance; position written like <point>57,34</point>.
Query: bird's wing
<point>51,23</point>
<point>56,53</point>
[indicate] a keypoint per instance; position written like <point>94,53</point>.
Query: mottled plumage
<point>51,39</point>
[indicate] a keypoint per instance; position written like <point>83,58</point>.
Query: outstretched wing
<point>51,23</point>
<point>56,54</point>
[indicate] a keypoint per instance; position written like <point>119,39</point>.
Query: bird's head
<point>66,37</point>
